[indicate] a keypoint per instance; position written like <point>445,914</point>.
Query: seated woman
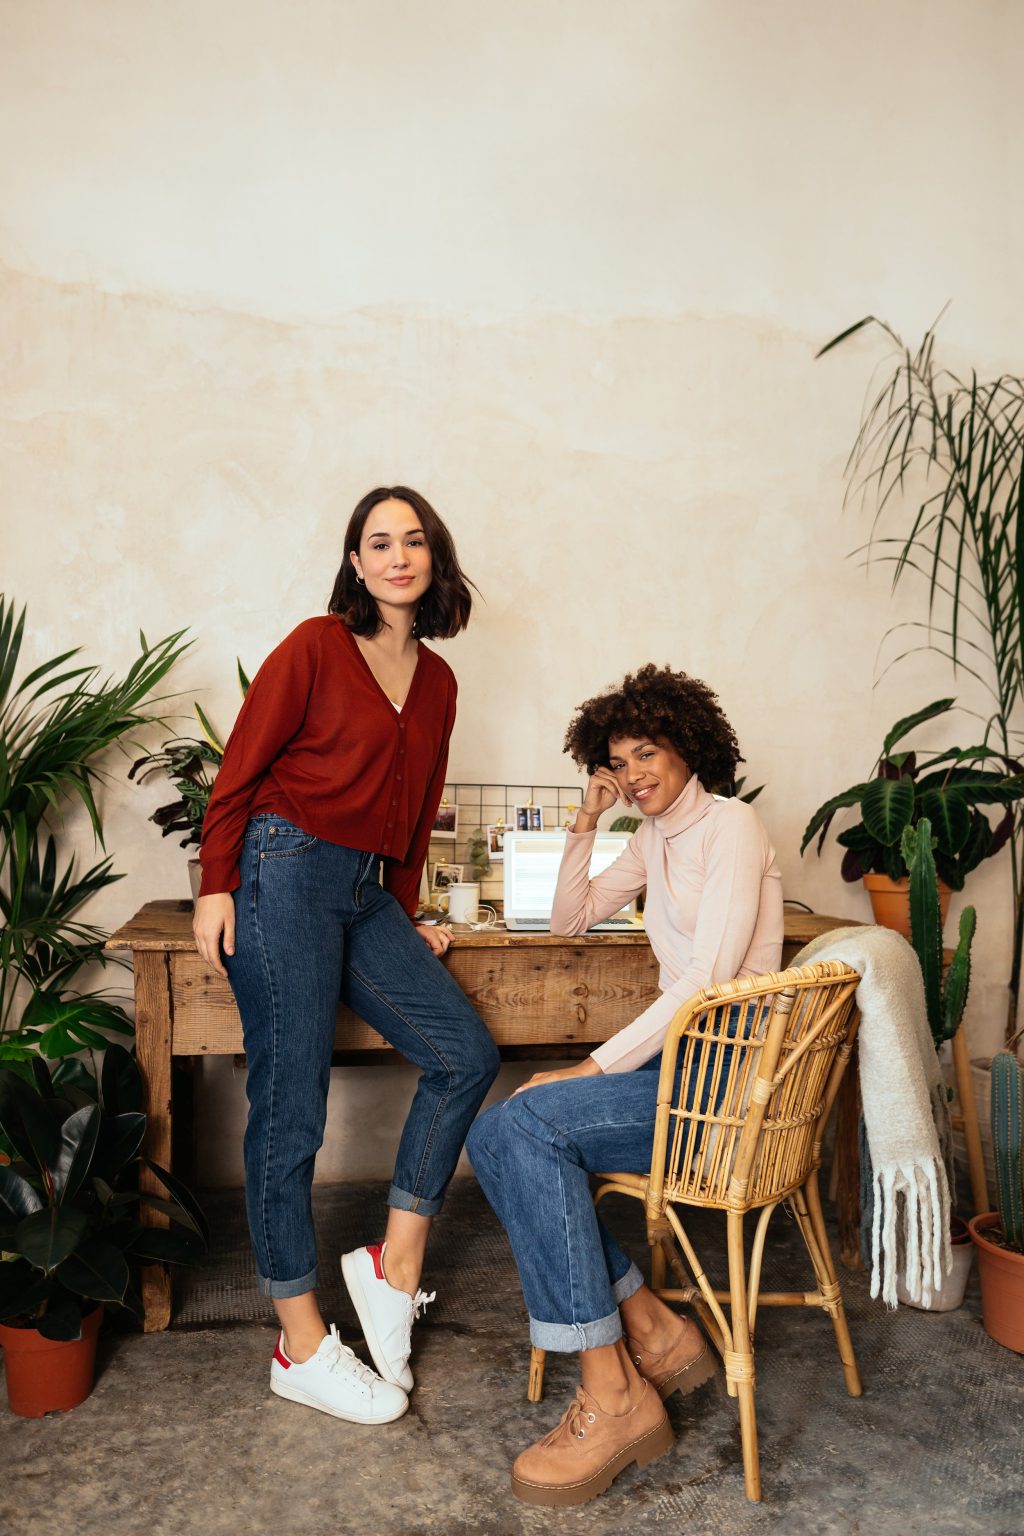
<point>713,912</point>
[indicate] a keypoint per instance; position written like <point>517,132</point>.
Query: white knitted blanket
<point>904,1104</point>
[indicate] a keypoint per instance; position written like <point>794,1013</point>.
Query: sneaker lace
<point>418,1304</point>
<point>340,1357</point>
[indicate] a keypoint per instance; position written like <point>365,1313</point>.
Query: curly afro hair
<point>657,702</point>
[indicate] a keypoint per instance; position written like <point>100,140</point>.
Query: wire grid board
<point>487,805</point>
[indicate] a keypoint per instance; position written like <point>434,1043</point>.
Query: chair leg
<point>657,1266</point>
<point>811,1221</point>
<point>739,1361</point>
<point>535,1389</point>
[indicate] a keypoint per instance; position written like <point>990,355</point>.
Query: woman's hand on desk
<point>603,791</point>
<point>438,939</point>
<point>587,1068</point>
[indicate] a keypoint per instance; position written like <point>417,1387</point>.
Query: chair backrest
<point>749,1072</point>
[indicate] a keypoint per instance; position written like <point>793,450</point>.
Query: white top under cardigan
<point>713,909</point>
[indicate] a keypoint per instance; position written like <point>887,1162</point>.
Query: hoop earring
<point>360,580</point>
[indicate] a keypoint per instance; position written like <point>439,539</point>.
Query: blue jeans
<point>533,1155</point>
<point>313,925</point>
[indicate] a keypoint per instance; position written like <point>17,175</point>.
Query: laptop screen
<point>532,860</point>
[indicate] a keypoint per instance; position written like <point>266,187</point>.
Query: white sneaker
<point>386,1314</point>
<point>336,1382</point>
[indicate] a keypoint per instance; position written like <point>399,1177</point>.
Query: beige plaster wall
<point>564,268</point>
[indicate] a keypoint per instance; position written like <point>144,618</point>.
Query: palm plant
<point>955,445</point>
<point>55,726</point>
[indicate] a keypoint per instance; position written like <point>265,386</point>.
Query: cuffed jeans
<point>313,925</point>
<point>533,1155</point>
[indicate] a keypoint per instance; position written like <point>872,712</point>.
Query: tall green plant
<point>945,994</point>
<point>955,445</point>
<point>56,724</point>
<point>1007,1089</point>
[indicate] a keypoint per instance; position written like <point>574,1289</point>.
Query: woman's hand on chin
<point>438,939</point>
<point>585,1068</point>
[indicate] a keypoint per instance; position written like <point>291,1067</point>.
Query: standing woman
<point>335,767</point>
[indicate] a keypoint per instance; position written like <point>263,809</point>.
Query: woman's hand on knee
<point>587,1068</point>
<point>213,925</point>
<point>437,939</point>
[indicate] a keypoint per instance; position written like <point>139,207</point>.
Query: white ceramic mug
<point>462,903</point>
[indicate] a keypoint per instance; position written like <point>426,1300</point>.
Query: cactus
<point>945,996</point>
<point>1008,1145</point>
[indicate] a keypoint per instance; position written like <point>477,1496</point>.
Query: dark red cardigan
<point>319,742</point>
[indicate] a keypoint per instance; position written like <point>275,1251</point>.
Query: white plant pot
<point>950,1294</point>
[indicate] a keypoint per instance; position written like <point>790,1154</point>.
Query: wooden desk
<point>535,992</point>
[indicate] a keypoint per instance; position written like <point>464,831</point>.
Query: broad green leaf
<point>184,1196</point>
<point>46,1238</point>
<point>78,1141</point>
<point>906,725</point>
<point>96,1269</point>
<point>948,813</point>
<point>887,806</point>
<point>824,814</point>
<point>62,1318</point>
<point>119,1141</point>
<point>17,1194</point>
<point>121,1082</point>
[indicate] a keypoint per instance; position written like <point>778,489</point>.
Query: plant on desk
<point>191,764</point>
<point>55,726</point>
<point>70,1228</point>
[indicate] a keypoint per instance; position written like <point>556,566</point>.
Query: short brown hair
<point>446,605</point>
<point>656,702</point>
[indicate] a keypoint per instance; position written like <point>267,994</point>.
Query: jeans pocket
<point>285,841</point>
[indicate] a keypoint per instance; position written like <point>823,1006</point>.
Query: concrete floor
<point>181,1434</point>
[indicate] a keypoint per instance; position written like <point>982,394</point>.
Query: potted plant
<point>187,762</point>
<point>955,442</point>
<point>56,724</point>
<point>999,1235</point>
<point>948,787</point>
<point>945,994</point>
<point>70,1231</point>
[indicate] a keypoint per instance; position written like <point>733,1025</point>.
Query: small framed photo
<point>528,817</point>
<point>496,841</point>
<point>446,823</point>
<point>445,875</point>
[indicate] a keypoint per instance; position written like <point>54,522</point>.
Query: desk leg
<point>153,1051</point>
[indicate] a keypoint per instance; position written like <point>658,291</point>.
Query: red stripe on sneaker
<point>280,1356</point>
<point>376,1252</point>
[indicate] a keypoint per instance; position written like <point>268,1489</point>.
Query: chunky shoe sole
<point>648,1448</point>
<point>354,1286</point>
<point>296,1395</point>
<point>689,1377</point>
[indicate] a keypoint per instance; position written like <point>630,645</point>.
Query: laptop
<point>531,863</point>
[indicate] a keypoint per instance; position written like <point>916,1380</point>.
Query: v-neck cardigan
<point>319,742</point>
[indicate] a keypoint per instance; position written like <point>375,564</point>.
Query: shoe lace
<point>418,1306</point>
<point>340,1357</point>
<point>573,1420</point>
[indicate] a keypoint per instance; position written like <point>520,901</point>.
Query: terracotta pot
<point>195,877</point>
<point>1002,1286</point>
<point>950,1293</point>
<point>49,1375</point>
<point>890,901</point>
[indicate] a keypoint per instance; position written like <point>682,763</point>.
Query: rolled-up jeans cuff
<point>401,1200</point>
<point>280,1290</point>
<point>628,1286</point>
<point>567,1338</point>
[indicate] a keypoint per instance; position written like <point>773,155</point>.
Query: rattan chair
<point>762,1061</point>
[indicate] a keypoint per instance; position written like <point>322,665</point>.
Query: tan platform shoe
<point>589,1448</point>
<point>684,1367</point>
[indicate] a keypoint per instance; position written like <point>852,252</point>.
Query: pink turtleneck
<point>713,909</point>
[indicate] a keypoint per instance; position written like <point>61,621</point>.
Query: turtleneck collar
<point>689,807</point>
